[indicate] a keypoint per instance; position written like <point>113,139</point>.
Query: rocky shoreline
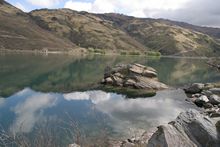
<point>206,96</point>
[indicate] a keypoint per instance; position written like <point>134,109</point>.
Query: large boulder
<point>190,129</point>
<point>135,76</point>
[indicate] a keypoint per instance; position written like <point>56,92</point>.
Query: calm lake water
<point>50,95</point>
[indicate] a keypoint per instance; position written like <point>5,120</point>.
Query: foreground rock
<point>132,76</point>
<point>190,129</point>
<point>206,96</point>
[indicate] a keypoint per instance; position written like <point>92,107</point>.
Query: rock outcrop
<point>190,129</point>
<point>135,76</point>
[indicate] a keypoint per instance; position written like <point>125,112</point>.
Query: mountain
<point>19,32</point>
<point>66,30</point>
<point>86,30</point>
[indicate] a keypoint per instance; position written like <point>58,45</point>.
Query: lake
<point>48,99</point>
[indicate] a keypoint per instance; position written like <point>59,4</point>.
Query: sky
<point>197,12</point>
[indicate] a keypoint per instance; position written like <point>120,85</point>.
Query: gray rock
<point>207,93</point>
<point>196,95</point>
<point>209,85</point>
<point>201,101</point>
<point>207,105</point>
<point>218,125</point>
<point>214,99</point>
<point>215,114</point>
<point>195,88</point>
<point>215,90</point>
<point>190,129</point>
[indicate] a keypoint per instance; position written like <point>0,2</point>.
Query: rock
<point>204,98</point>
<point>218,105</point>
<point>218,126</point>
<point>133,76</point>
<point>196,95</point>
<point>109,80</point>
<point>117,74</point>
<point>136,69</point>
<point>207,105</point>
<point>201,101</point>
<point>215,90</point>
<point>215,114</point>
<point>148,73</point>
<point>129,83</point>
<point>195,88</point>
<point>209,86</point>
<point>190,129</point>
<point>214,99</point>
<point>207,93</point>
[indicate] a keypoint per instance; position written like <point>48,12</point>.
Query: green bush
<point>123,53</point>
<point>134,53</point>
<point>153,53</point>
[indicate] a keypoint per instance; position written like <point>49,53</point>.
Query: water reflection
<point>31,110</point>
<point>62,73</point>
<point>28,108</point>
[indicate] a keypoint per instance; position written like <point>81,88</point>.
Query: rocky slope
<point>64,29</point>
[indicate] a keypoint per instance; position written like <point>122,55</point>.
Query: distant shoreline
<point>40,52</point>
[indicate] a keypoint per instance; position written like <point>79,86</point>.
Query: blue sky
<point>181,10</point>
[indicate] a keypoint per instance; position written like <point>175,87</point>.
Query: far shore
<point>80,52</point>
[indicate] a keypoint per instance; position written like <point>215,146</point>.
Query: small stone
<point>195,88</point>
<point>215,90</point>
<point>214,99</point>
<point>207,105</point>
<point>218,125</point>
<point>201,101</point>
<point>129,82</point>
<point>150,74</point>
<point>109,80</point>
<point>204,98</point>
<point>196,95</point>
<point>209,85</point>
<point>207,93</point>
<point>215,114</point>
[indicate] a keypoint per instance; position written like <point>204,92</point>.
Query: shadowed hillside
<point>19,32</point>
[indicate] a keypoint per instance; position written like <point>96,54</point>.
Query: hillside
<point>165,36</point>
<point>19,32</point>
<point>65,30</point>
<point>85,29</point>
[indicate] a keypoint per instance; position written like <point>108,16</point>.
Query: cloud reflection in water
<point>124,114</point>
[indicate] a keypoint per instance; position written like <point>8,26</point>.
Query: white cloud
<point>135,8</point>
<point>95,96</point>
<point>44,3</point>
<point>20,6</point>
<point>31,110</point>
